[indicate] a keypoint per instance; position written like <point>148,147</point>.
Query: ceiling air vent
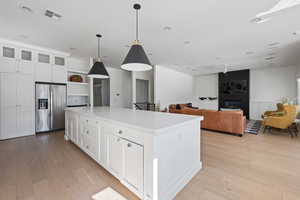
<point>52,15</point>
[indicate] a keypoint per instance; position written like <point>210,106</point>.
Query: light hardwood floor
<point>262,167</point>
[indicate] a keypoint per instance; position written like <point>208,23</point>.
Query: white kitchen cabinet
<point>72,128</point>
<point>133,165</point>
<point>154,159</point>
<point>89,137</point>
<point>8,59</point>
<point>17,107</point>
<point>25,105</point>
<point>115,155</point>
<point>104,139</point>
<point>43,72</point>
<point>59,74</point>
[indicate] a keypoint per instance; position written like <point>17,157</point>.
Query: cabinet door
<point>8,106</point>
<point>115,156</point>
<point>8,65</point>
<point>104,140</point>
<point>92,141</point>
<point>43,72</point>
<point>133,165</point>
<point>25,104</point>
<point>59,74</point>
<point>26,67</point>
<point>72,128</point>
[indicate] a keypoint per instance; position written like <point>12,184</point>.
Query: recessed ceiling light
<point>187,42</point>
<point>52,15</point>
<point>218,58</point>
<point>167,28</point>
<point>274,44</point>
<point>26,9</point>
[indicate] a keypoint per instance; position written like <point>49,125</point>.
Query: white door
<point>133,165</point>
<point>59,74</point>
<point>8,106</point>
<point>43,72</point>
<point>115,158</point>
<point>25,104</point>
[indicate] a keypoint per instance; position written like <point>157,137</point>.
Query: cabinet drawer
<point>86,120</point>
<point>126,133</point>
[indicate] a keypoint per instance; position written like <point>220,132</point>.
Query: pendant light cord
<point>137,26</point>
<point>98,48</point>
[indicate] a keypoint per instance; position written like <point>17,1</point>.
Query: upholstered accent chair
<point>284,121</point>
<point>279,112</point>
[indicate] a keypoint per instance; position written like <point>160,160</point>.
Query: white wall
<point>206,86</point>
<point>120,87</point>
<point>171,87</point>
<point>268,86</point>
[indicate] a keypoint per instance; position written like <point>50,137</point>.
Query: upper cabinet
<point>45,66</point>
<point>8,59</point>
<point>43,71</point>
<point>59,70</point>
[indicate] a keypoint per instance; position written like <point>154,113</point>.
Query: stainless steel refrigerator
<point>50,102</point>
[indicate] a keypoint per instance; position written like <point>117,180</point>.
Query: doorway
<point>142,91</point>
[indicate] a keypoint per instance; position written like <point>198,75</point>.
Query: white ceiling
<point>220,32</point>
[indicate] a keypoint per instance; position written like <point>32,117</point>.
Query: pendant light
<point>136,59</point>
<point>98,70</point>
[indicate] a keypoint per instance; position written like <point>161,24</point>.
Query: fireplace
<point>233,104</point>
<point>234,91</point>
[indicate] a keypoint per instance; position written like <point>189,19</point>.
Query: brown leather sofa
<point>233,122</point>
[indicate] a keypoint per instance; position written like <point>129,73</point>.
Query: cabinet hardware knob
<point>87,146</point>
<point>87,132</point>
<point>120,132</point>
<point>129,145</point>
<point>87,120</point>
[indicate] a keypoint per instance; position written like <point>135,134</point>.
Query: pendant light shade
<point>136,59</point>
<point>98,70</point>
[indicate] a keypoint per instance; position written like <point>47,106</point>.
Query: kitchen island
<point>153,154</point>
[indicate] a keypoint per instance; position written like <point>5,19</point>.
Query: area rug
<point>108,194</point>
<point>253,127</point>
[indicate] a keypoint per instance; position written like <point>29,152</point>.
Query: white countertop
<point>146,120</point>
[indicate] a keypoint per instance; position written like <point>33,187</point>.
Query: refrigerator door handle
<point>51,107</point>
